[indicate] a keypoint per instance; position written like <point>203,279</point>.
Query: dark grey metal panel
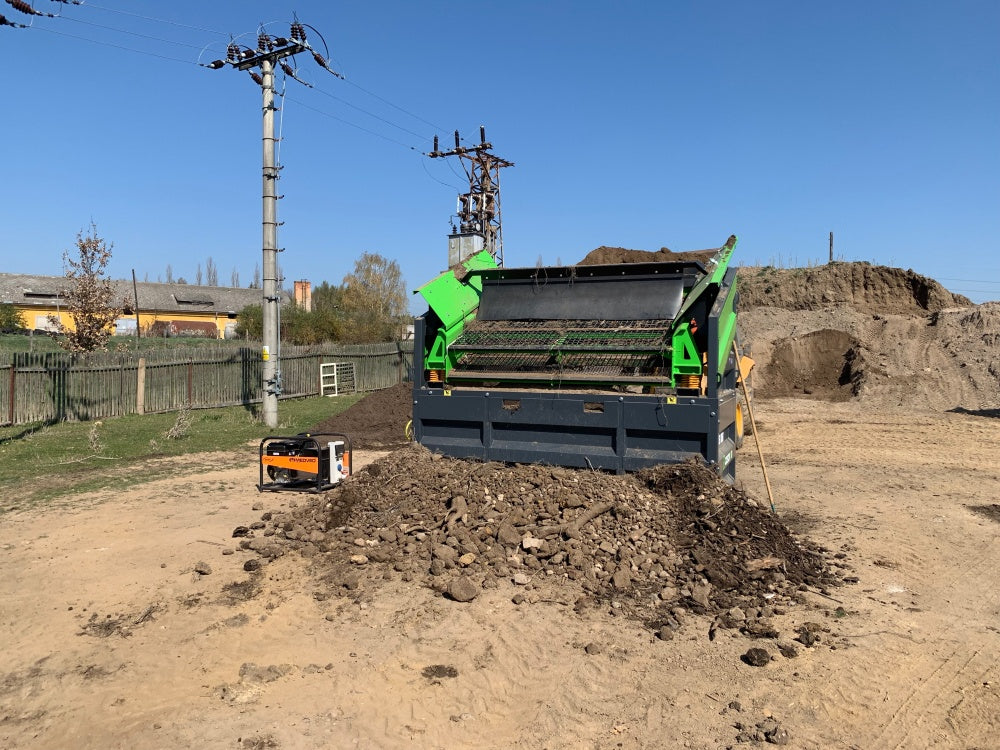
<point>588,298</point>
<point>600,431</point>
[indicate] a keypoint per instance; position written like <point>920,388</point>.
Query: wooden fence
<point>54,387</point>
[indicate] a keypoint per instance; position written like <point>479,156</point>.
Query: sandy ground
<point>110,639</point>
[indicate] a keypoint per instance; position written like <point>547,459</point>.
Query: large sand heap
<point>840,331</point>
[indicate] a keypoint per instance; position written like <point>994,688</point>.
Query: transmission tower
<point>271,51</point>
<point>478,209</point>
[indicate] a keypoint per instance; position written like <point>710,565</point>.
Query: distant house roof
<point>22,289</point>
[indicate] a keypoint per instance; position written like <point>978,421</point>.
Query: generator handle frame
<point>322,483</point>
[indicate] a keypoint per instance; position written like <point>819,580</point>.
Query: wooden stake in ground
<point>753,426</point>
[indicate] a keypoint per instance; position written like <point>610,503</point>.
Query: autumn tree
<point>89,294</point>
<point>373,299</point>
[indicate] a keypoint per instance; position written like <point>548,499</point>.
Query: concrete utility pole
<point>272,384</point>
<point>270,51</point>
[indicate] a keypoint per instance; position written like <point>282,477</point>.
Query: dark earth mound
<point>606,255</point>
<point>376,422</point>
<point>675,536</point>
<point>820,364</point>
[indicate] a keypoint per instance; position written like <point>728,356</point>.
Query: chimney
<point>303,295</point>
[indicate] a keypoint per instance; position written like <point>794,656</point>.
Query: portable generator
<point>304,463</point>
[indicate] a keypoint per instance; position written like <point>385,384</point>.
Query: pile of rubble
<point>670,537</point>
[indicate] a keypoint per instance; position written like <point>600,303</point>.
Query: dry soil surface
<point>124,623</point>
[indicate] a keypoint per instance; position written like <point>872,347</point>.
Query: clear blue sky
<point>636,124</point>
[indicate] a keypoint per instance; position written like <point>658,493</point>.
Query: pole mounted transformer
<point>260,63</point>
<point>478,210</point>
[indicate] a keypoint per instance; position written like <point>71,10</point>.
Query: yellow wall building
<point>164,309</point>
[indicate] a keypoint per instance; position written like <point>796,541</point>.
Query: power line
<point>442,182</point>
<point>394,106</point>
<point>370,114</point>
<point>357,127</point>
<point>156,20</point>
<point>112,44</point>
<point>131,33</point>
<point>967,281</point>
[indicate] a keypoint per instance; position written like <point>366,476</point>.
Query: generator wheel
<point>739,425</point>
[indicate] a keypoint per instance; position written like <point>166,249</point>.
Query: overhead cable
<point>111,44</point>
<point>353,125</point>
<point>155,20</point>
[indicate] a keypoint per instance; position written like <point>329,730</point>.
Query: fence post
<point>140,387</point>
<point>190,380</point>
<point>10,406</point>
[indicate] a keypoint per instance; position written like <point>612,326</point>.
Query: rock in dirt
<point>203,568</point>
<point>462,589</point>
<point>756,657</point>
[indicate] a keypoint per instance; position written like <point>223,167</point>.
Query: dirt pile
<point>671,537</point>
<point>886,336</point>
<point>863,287</point>
<point>608,255</point>
<point>376,422</point>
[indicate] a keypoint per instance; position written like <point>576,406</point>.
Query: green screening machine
<point>614,367</point>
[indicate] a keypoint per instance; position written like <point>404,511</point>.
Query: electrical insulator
<point>482,134</point>
<point>435,144</point>
<point>23,7</point>
<point>261,42</point>
<point>287,68</point>
<point>298,32</point>
<point>233,52</point>
<point>256,78</point>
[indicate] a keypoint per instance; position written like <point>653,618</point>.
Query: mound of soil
<point>674,536</point>
<point>376,422</point>
<point>862,286</point>
<point>821,364</point>
<point>605,255</point>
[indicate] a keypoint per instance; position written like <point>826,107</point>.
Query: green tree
<point>250,323</point>
<point>373,299</point>
<point>10,317</point>
<point>89,294</point>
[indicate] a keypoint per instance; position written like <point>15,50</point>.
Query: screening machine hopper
<point>612,367</point>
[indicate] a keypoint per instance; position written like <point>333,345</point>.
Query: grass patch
<point>40,463</point>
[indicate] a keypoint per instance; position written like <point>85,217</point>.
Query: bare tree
<point>170,274</point>
<point>255,284</point>
<point>234,280</point>
<point>211,272</point>
<point>89,294</point>
<point>197,275</point>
